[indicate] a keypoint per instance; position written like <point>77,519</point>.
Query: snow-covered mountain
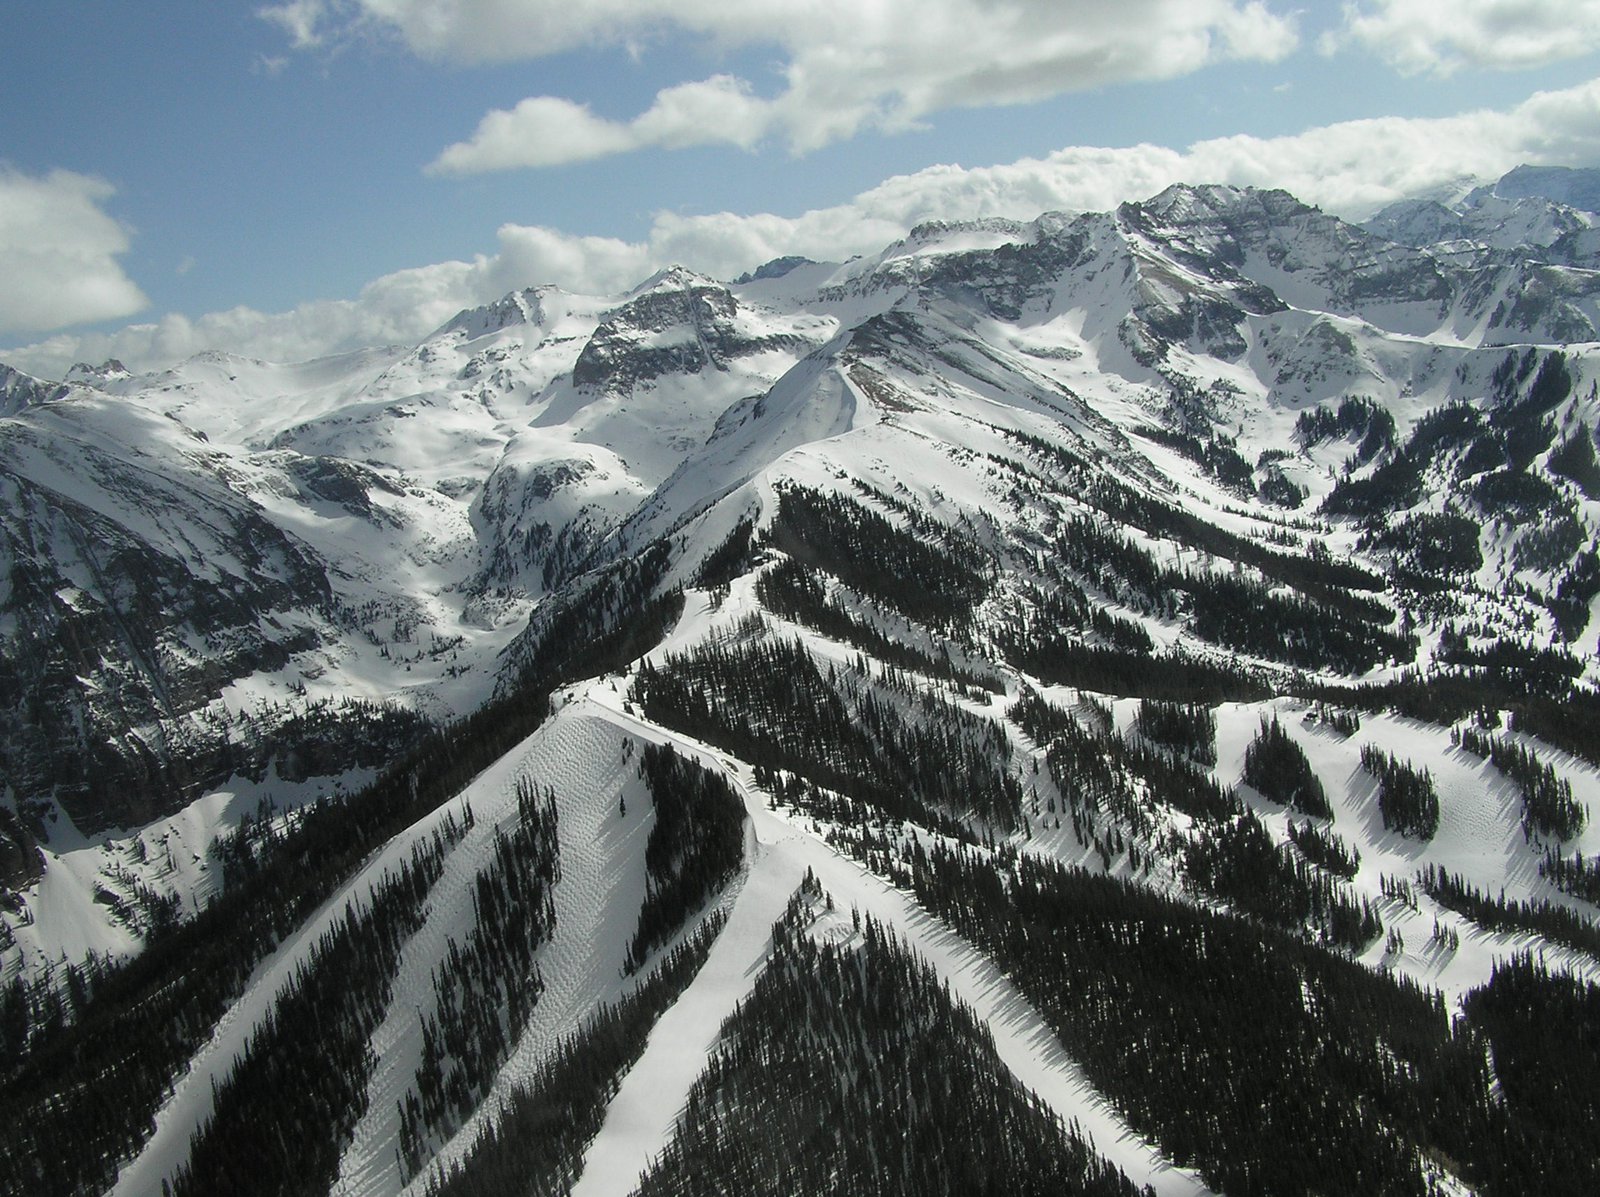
<point>1085,704</point>
<point>1531,207</point>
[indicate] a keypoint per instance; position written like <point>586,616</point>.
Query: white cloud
<point>530,255</point>
<point>397,309</point>
<point>542,131</point>
<point>58,253</point>
<point>1427,36</point>
<point>721,106</point>
<point>845,65</point>
<point>546,131</point>
<point>1349,168</point>
<point>300,19</point>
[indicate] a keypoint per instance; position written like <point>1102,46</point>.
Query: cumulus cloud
<point>547,131</point>
<point>1425,36</point>
<point>844,65</point>
<point>397,309</point>
<point>541,131</point>
<point>1349,168</point>
<point>58,253</point>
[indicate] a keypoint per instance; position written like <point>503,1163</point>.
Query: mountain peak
<point>110,370</point>
<point>775,269</point>
<point>1520,210</point>
<point>1576,187</point>
<point>1200,203</point>
<point>938,230</point>
<point>517,307</point>
<point>674,278</point>
<point>19,391</point>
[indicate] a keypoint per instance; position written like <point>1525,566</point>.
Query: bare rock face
<point>137,589</point>
<point>680,323</point>
<point>21,862</point>
<point>19,391</point>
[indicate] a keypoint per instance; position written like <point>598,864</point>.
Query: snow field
<point>66,921</point>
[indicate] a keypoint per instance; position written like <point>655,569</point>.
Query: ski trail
<point>643,1116</point>
<point>596,903</point>
<point>190,1105</point>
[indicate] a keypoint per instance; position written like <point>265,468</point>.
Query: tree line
<point>485,990</point>
<point>86,1091</point>
<point>768,701</point>
<point>1548,806</point>
<point>696,845</point>
<point>282,1116</point>
<point>851,1068</point>
<point>533,1145</point>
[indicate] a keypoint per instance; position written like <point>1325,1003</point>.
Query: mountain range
<point>1095,704</point>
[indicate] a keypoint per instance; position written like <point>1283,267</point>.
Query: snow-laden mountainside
<point>1098,703</point>
<point>1549,210</point>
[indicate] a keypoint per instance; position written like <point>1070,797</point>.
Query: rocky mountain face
<point>1021,704</point>
<point>1572,187</point>
<point>1548,210</point>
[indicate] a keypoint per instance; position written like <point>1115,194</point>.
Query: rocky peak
<point>19,391</point>
<point>110,370</point>
<point>775,269</point>
<point>1186,206</point>
<point>674,278</point>
<point>677,321</point>
<point>931,231</point>
<point>1574,187</point>
<point>516,308</point>
<point>1483,218</point>
<point>1416,222</point>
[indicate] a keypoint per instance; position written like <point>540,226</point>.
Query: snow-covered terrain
<point>911,551</point>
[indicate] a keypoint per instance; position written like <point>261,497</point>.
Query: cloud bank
<point>1350,168</point>
<point>843,65</point>
<point>1430,37</point>
<point>58,253</point>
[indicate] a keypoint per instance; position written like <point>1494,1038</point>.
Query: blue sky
<point>302,176</point>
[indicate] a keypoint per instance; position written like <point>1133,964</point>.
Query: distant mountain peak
<point>1577,187</point>
<point>935,230</point>
<point>674,278</point>
<point>110,370</point>
<point>1529,206</point>
<point>19,391</point>
<point>1186,202</point>
<point>774,269</point>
